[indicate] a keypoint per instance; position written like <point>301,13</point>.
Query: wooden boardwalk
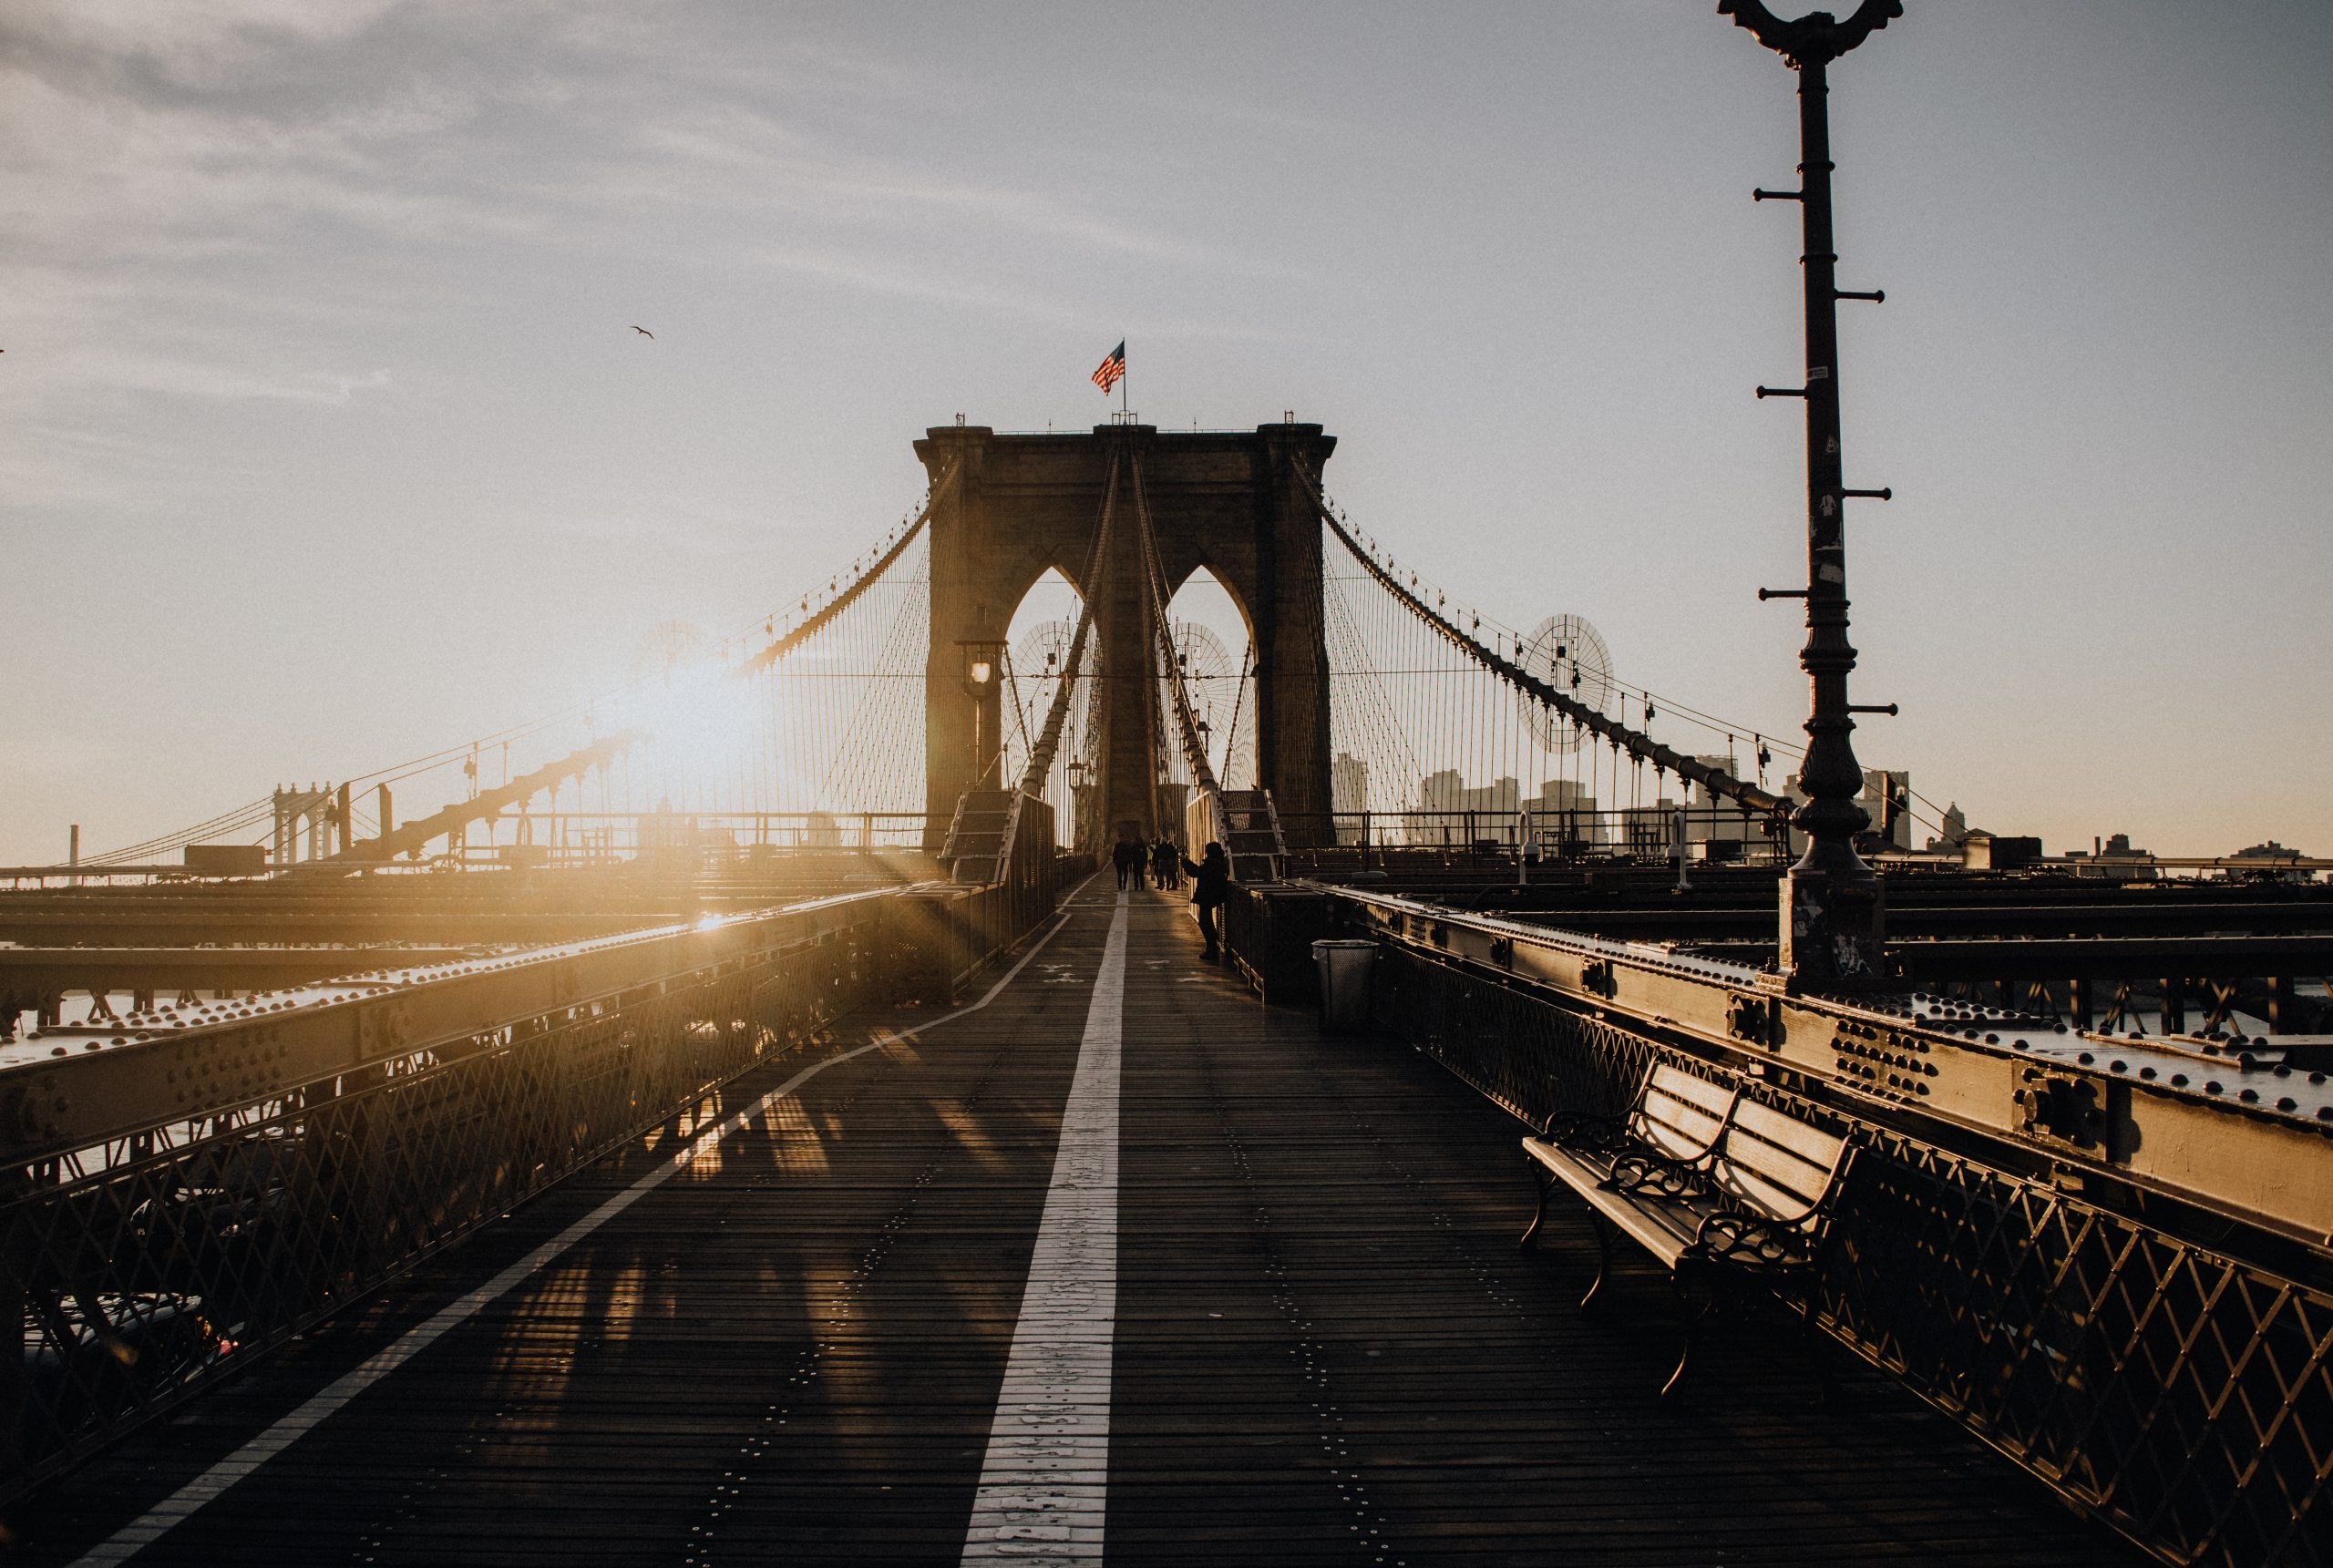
<point>1319,1341</point>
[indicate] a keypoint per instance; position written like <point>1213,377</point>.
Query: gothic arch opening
<point>1036,667</point>
<point>1216,649</point>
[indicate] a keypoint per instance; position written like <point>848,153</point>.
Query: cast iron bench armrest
<point>1585,1129</point>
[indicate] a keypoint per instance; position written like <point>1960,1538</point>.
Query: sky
<point>325,439</point>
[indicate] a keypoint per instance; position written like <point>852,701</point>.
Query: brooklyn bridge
<point>784,1108</point>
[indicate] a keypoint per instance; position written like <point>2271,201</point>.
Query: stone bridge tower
<point>1227,500</point>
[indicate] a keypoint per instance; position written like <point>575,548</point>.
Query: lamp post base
<point>1832,931</point>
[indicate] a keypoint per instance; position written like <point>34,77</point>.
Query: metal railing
<point>964,930</point>
<point>1536,836</point>
<point>2159,1360</point>
<point>705,839</point>
<point>183,1197</point>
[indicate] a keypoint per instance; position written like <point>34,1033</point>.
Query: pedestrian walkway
<point>1119,1266</point>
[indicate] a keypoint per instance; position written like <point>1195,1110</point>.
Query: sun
<point>699,723</point>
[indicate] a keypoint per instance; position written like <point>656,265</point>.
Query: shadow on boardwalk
<point>1327,1346</point>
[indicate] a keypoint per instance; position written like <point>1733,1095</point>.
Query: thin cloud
<point>1032,211</point>
<point>263,184</point>
<point>192,46</point>
<point>659,523</point>
<point>857,271</point>
<point>1235,114</point>
<point>794,173</point>
<point>197,378</point>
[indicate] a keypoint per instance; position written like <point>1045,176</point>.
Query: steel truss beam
<point>2252,1145</point>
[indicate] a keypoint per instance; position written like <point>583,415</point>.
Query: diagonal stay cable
<point>843,601</point>
<point>1635,743</point>
<point>1163,642</point>
<point>1040,755</point>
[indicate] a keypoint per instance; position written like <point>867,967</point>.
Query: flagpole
<point>1122,379</point>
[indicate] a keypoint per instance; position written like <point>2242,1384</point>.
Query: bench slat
<point>1751,1193</point>
<point>1679,1116</point>
<point>1810,1143</point>
<point>1663,1228</point>
<point>1675,1083</point>
<point>1775,1165</point>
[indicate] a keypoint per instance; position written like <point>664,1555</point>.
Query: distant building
<point>1886,797</point>
<point>1951,830</point>
<point>1982,851</point>
<point>2264,860</point>
<point>1455,814</point>
<point>1713,820</point>
<point>1561,816</point>
<point>1348,792</point>
<point>1564,795</point>
<point>1565,818</point>
<point>1447,791</point>
<point>2112,856</point>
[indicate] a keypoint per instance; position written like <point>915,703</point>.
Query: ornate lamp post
<point>1081,785</point>
<point>1833,910</point>
<point>982,660</point>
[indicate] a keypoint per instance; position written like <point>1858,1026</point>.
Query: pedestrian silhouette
<point>1210,890</point>
<point>1167,863</point>
<point>1128,857</point>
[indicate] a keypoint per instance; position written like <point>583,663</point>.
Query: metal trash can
<point>1345,984</point>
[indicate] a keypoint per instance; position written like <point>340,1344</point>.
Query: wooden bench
<point>1717,1186</point>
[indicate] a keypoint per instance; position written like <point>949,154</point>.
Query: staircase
<point>1250,834</point>
<point>979,838</point>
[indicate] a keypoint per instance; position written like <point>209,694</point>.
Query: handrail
<point>178,1066</point>
<point>2164,1122</point>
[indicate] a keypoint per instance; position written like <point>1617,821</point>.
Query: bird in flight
<point>643,332</point>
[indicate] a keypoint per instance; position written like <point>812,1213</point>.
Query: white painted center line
<point>1044,1486</point>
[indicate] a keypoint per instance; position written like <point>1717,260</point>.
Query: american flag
<point>1112,369</point>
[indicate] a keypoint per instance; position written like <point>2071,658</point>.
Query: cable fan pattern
<point>1568,653</point>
